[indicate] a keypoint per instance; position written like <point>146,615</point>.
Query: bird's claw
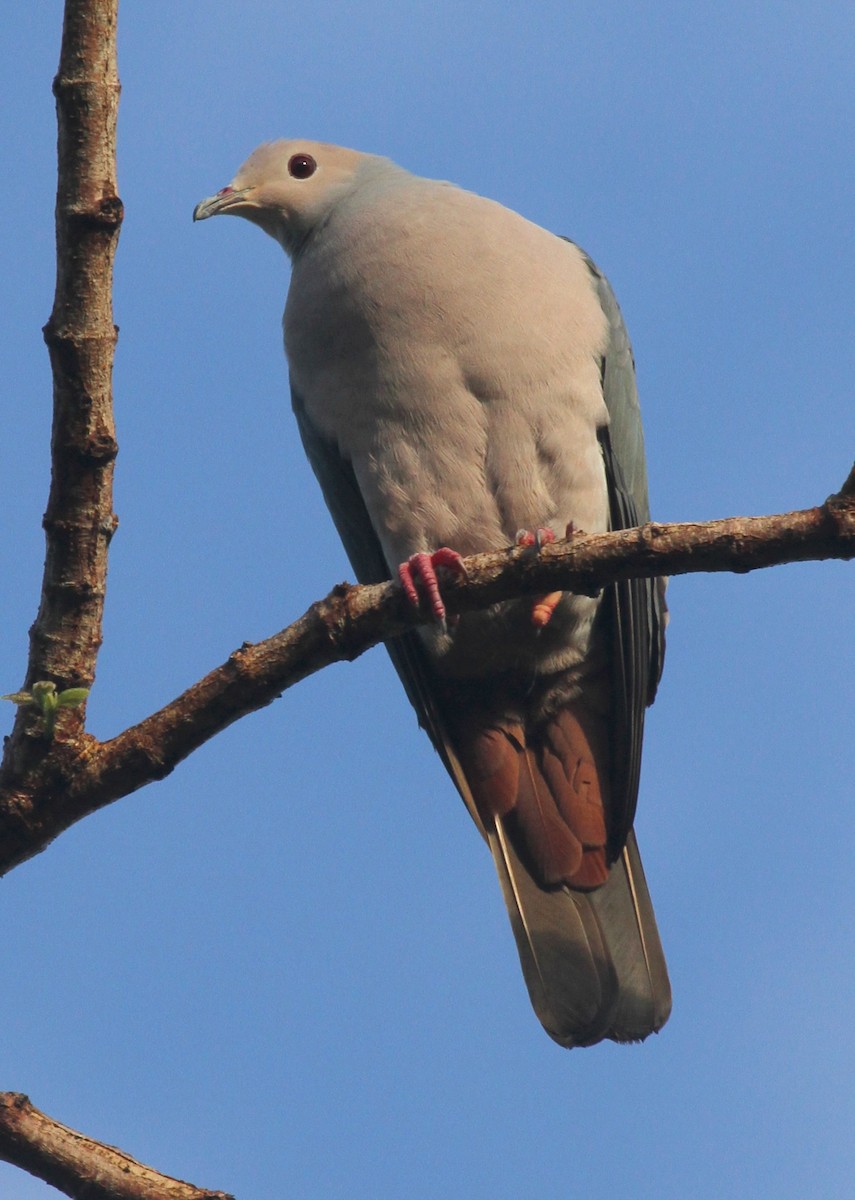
<point>543,606</point>
<point>422,567</point>
<point>537,538</point>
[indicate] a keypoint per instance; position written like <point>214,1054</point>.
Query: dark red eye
<point>301,166</point>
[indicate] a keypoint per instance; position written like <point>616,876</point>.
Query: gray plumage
<point>459,374</point>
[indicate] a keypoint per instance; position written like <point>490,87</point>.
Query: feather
<point>459,374</point>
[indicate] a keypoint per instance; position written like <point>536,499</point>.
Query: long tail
<point>592,961</point>
<point>585,930</point>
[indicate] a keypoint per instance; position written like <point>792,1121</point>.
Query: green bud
<point>48,701</point>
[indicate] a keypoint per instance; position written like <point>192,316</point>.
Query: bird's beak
<point>227,199</point>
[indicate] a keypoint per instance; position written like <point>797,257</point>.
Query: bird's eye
<point>301,166</point>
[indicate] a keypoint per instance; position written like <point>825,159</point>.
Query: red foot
<point>423,567</point>
<point>541,536</point>
<point>544,606</point>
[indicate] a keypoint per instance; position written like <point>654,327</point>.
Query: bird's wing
<point>636,616</point>
<point>592,961</point>
<point>633,610</point>
<point>362,546</point>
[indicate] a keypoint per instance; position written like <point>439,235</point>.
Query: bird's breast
<point>458,374</point>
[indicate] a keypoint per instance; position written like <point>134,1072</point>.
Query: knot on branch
<point>334,613</point>
<point>846,496</point>
<point>99,449</point>
<point>652,531</point>
<point>839,509</point>
<point>75,347</point>
<point>106,216</point>
<point>336,616</point>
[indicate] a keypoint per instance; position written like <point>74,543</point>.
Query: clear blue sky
<point>287,970</point>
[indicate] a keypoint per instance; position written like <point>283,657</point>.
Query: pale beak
<point>226,200</point>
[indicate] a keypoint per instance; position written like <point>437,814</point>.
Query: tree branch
<point>81,337</point>
<point>79,1166</point>
<point>78,775</point>
<point>49,782</point>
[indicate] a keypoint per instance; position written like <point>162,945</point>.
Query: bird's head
<point>288,188</point>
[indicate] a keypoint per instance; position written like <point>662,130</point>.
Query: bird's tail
<point>592,961</point>
<point>584,927</point>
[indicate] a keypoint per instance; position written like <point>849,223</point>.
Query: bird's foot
<point>421,568</point>
<point>541,536</point>
<point>543,606</point>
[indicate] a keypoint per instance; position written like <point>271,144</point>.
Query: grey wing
<point>347,508</point>
<point>634,615</point>
<point>343,499</point>
<point>633,611</point>
<point>593,963</point>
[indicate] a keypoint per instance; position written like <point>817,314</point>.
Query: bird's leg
<point>422,568</point>
<point>543,606</point>
<point>539,537</point>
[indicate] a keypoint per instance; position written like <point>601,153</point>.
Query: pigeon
<point>462,380</point>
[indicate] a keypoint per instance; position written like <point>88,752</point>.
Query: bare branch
<point>47,781</point>
<point>79,1166</point>
<point>78,775</point>
<point>79,521</point>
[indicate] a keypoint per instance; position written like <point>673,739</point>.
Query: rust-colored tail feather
<point>585,930</point>
<point>550,786</point>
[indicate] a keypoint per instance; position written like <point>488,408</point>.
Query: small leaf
<point>48,701</point>
<point>42,689</point>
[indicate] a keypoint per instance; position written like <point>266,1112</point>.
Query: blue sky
<point>286,970</point>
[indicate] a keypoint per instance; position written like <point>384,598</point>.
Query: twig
<point>78,1165</point>
<point>81,337</point>
<point>78,774</point>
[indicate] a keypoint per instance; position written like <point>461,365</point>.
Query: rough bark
<point>76,774</point>
<point>78,1165</point>
<point>81,337</point>
<point>49,782</point>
